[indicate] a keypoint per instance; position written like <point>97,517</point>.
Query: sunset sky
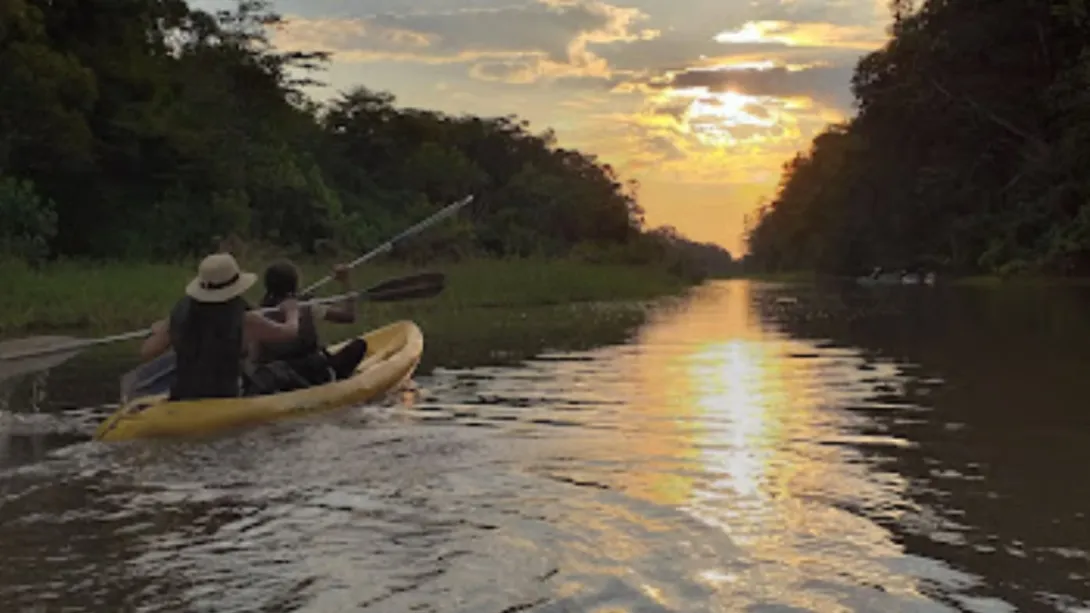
<point>700,100</point>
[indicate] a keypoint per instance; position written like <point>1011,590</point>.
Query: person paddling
<point>302,361</point>
<point>211,327</point>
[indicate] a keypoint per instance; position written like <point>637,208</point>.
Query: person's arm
<point>262,330</point>
<point>159,341</point>
<point>343,312</point>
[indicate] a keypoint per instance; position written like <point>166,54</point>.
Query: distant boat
<point>879,277</point>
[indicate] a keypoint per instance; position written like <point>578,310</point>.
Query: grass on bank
<point>118,297</point>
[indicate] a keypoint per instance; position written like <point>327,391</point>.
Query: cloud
<point>803,34</point>
<point>827,84</point>
<point>670,49</point>
<point>585,102</point>
<point>545,39</point>
<point>859,13</point>
<point>701,136</point>
<point>341,35</point>
<point>729,108</point>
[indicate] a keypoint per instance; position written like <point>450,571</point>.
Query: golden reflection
<point>728,388</point>
<point>722,422</point>
<point>738,386</point>
<point>717,389</point>
<point>709,391</point>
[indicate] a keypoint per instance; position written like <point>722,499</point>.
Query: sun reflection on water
<point>736,390</point>
<point>727,384</point>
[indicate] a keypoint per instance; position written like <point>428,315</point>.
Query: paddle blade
<point>18,366</point>
<point>423,285</point>
<point>154,377</point>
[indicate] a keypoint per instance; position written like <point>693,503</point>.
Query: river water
<point>752,447</point>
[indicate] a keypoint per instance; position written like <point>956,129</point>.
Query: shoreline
<point>114,297</point>
<point>960,281</point>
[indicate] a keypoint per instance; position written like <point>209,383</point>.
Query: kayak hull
<point>393,353</point>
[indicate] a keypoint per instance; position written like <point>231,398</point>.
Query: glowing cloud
<point>806,34</point>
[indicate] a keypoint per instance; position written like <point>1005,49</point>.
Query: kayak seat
<point>299,373</point>
<point>272,378</point>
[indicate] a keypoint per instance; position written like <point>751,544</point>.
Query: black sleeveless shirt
<point>207,339</point>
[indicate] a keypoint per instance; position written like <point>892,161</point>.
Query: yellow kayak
<point>393,353</point>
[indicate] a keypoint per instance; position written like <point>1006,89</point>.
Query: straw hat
<point>219,279</point>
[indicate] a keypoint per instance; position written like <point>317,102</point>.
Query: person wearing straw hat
<point>211,327</point>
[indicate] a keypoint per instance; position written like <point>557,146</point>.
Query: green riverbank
<point>117,297</point>
<point>492,312</point>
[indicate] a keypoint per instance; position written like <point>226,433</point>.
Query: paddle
<point>20,357</point>
<point>163,365</point>
<point>420,285</point>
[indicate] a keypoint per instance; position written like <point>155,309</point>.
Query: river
<point>752,447</point>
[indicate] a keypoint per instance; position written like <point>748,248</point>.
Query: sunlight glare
<point>711,115</point>
<point>755,32</point>
<point>731,389</point>
<point>759,65</point>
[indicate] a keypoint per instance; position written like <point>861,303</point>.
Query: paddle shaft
<point>388,246</point>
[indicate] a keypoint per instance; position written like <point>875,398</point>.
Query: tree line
<point>140,129</point>
<point>968,152</point>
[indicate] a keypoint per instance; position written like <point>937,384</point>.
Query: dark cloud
<point>673,110</point>
<point>511,71</point>
<point>663,148</point>
<point>528,28</point>
<point>829,85</point>
<point>669,50</point>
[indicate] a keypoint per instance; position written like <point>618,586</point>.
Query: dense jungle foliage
<point>145,129</point>
<point>969,151</point>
